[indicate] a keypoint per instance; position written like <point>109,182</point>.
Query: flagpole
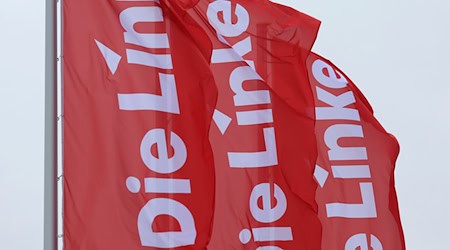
<point>50,151</point>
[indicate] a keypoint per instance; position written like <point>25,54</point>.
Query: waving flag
<point>355,166</point>
<point>138,102</point>
<point>209,124</point>
<point>263,141</point>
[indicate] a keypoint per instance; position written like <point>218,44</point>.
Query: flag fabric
<point>265,192</point>
<point>355,166</point>
<point>138,103</point>
<point>209,124</point>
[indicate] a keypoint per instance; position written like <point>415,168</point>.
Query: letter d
<point>164,206</point>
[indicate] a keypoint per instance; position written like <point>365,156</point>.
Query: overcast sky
<point>397,52</point>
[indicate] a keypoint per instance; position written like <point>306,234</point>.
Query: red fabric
<point>237,199</point>
<point>102,142</point>
<point>276,40</point>
<point>355,179</point>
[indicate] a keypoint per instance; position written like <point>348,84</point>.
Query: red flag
<point>138,102</point>
<point>265,192</point>
<point>355,166</point>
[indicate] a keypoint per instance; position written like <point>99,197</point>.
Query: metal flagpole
<point>50,178</point>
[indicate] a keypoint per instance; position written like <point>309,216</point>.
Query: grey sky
<point>395,51</point>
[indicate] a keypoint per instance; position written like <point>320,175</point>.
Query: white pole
<point>50,178</point>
